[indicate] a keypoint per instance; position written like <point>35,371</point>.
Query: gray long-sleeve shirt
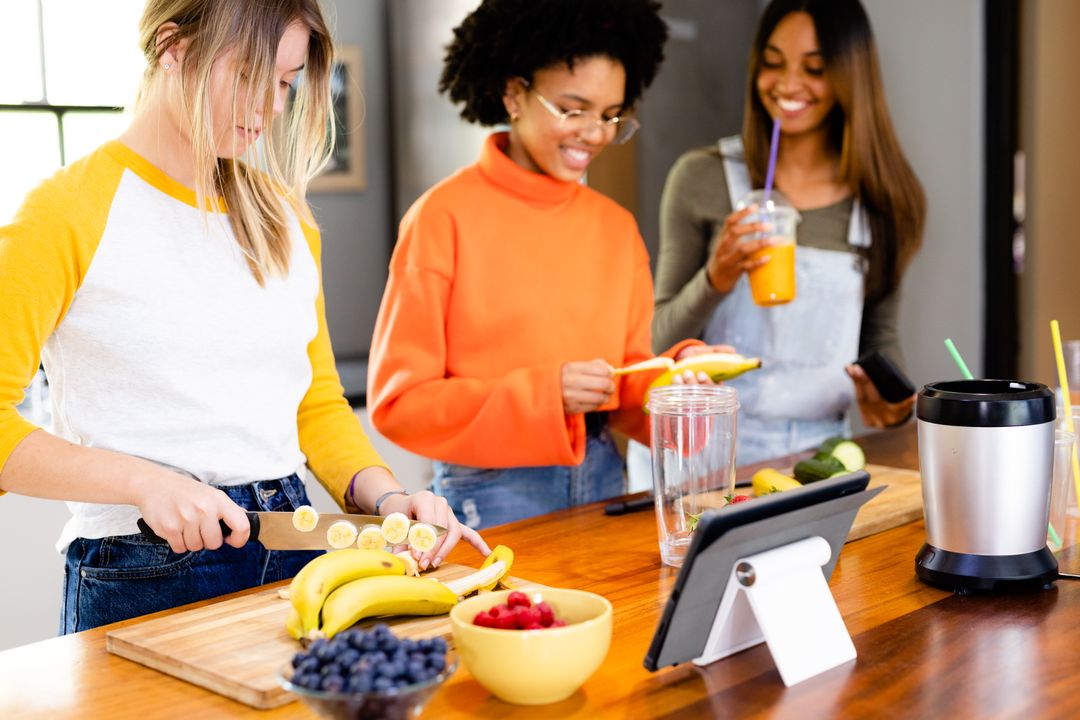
<point>692,211</point>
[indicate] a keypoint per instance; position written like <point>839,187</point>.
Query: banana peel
<point>506,555</point>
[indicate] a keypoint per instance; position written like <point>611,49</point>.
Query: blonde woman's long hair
<point>860,133</point>
<point>262,187</point>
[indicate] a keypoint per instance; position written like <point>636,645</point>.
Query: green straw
<point>958,360</point>
<point>968,376</point>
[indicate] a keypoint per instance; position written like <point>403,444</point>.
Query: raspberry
<point>533,626</point>
<point>483,619</point>
<point>527,616</point>
<point>558,623</point>
<point>506,620</point>
<point>547,615</point>
<point>494,611</point>
<point>518,598</point>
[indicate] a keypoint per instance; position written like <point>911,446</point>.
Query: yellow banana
<point>294,625</point>
<point>718,366</point>
<point>320,577</point>
<point>768,480</point>
<point>386,595</point>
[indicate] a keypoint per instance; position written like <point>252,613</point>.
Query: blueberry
<point>382,684</point>
<point>401,682</point>
<point>348,657</point>
<point>325,653</point>
<point>415,670</point>
<point>424,645</point>
<point>364,683</point>
<point>408,644</point>
<point>299,658</point>
<point>381,630</point>
<point>437,661</point>
<point>332,683</point>
<point>369,642</point>
<point>308,665</point>
<point>388,644</point>
<point>400,668</point>
<point>386,670</point>
<point>378,657</point>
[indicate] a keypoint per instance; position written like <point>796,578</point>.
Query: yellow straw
<point>1063,380</point>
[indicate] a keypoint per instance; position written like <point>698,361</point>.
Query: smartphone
<point>892,384</point>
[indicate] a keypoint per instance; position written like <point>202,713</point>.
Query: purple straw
<point>772,159</point>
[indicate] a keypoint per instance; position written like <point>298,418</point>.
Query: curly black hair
<point>503,39</point>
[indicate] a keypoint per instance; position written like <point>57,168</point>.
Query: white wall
<point>932,61</point>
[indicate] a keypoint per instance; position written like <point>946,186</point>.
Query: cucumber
<point>815,468</point>
<point>848,452</point>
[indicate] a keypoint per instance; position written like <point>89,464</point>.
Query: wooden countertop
<point>922,652</point>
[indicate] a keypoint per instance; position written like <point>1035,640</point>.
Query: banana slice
<point>371,538</point>
<point>422,537</point>
<point>395,528</point>
<point>341,534</point>
<point>305,518</point>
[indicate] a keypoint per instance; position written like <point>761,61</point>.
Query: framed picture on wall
<point>345,171</point>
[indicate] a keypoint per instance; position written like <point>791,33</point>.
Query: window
<point>70,68</point>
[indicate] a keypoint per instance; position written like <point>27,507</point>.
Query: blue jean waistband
<point>268,495</point>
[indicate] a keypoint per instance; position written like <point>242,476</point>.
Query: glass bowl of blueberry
<point>369,674</point>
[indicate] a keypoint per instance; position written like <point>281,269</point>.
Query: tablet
<point>826,509</point>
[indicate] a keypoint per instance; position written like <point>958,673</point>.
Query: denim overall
<point>801,394</point>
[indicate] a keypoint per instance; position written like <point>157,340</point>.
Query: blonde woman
<point>169,281</point>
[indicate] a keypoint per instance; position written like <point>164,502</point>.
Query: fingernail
<point>437,562</point>
<point>424,564</point>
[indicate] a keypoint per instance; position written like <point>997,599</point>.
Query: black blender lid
<point>986,403</point>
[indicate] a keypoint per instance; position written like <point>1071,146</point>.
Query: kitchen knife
<point>276,532</point>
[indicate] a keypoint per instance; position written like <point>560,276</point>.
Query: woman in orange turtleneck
<point>514,289</point>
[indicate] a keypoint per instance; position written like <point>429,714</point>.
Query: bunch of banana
<point>334,591</point>
<point>320,577</point>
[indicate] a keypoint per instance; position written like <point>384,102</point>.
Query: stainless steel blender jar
<point>986,451</point>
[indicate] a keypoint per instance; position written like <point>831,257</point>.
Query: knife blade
<point>276,532</point>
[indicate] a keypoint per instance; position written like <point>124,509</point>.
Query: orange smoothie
<point>774,282</point>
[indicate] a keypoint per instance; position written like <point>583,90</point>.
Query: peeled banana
<point>395,528</point>
<point>385,595</point>
<point>371,538</point>
<point>305,518</point>
<point>422,537</point>
<point>320,577</point>
<point>341,534</point>
<point>718,366</point>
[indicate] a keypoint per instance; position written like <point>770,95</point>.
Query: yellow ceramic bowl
<point>533,667</point>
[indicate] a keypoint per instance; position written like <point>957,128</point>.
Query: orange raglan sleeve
<point>331,436</point>
<point>630,418</point>
<point>507,421</point>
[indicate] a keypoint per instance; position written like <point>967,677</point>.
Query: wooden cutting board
<point>236,647</point>
<point>900,503</point>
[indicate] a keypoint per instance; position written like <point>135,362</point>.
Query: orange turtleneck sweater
<point>499,277</point>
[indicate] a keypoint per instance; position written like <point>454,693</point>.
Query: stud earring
<point>167,66</point>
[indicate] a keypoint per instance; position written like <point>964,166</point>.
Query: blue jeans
<point>483,497</point>
<point>115,578</point>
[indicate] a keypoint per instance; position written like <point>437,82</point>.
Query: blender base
<point>961,572</point>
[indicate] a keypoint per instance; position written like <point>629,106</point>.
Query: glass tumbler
<point>693,459</point>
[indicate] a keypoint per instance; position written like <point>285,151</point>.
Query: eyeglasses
<point>581,121</point>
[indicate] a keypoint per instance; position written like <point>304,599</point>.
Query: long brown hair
<point>859,131</point>
<point>259,188</point>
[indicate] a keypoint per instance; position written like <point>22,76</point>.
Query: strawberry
<point>732,499</point>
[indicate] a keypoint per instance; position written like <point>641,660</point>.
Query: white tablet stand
<point>781,597</point>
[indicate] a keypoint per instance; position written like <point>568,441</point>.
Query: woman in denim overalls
<point>814,68</point>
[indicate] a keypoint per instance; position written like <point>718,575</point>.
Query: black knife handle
<point>628,506</point>
<point>253,520</point>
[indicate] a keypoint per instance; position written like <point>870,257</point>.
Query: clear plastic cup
<point>1069,502</point>
<point>1062,489</point>
<point>693,459</point>
<point>774,282</point>
<point>1070,350</point>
